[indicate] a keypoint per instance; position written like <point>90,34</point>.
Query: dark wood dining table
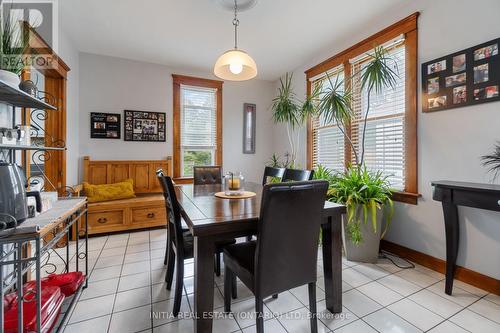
<point>211,219</point>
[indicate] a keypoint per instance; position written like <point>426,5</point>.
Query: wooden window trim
<point>197,82</point>
<point>408,28</point>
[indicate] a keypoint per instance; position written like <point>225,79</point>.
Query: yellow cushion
<point>107,192</point>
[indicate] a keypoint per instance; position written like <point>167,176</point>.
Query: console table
<point>453,194</point>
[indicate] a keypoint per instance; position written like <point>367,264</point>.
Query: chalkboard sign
<point>468,77</point>
<point>105,125</point>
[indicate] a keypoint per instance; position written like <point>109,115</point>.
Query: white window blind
<point>327,140</point>
<point>384,141</point>
<point>198,127</point>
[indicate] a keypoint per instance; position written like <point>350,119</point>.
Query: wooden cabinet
<point>106,221</point>
<point>148,215</point>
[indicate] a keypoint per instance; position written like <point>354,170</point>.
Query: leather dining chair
<point>203,175</point>
<point>297,175</point>
<point>272,172</point>
<point>284,256</point>
<point>180,243</point>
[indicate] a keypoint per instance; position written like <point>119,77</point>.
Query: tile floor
<point>127,283</point>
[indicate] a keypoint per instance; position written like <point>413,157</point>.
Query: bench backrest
<point>142,172</point>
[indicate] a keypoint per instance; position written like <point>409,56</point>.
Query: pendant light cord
<point>236,23</point>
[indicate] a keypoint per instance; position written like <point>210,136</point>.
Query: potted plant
<point>366,193</point>
<point>13,46</point>
<point>289,110</point>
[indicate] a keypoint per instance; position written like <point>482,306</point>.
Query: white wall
<point>451,142</point>
<point>109,84</point>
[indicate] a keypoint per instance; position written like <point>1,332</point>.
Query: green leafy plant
<point>289,110</point>
<point>492,161</point>
<point>364,193</point>
<point>14,43</point>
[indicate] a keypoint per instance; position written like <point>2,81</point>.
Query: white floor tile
<point>399,285</point>
<point>161,244</point>
<point>416,277</point>
<point>285,302</point>
<point>244,313</point>
<point>437,304</point>
<point>100,288</point>
<point>224,323</point>
<point>160,292</point>
<point>218,299</point>
<point>354,278</point>
<point>385,321</point>
<point>458,296</point>
<point>271,325</point>
<point>92,308</point>
<point>130,321</point>
<point>415,314</point>
<point>334,320</point>
<point>99,274</point>
<point>136,257</point>
<point>97,325</point>
<point>103,262</point>
<point>132,298</point>
<point>429,271</point>
<point>137,248</point>
<point>447,327</point>
<point>380,293</point>
<point>110,244</point>
<point>298,322</point>
<point>474,322</point>
<point>178,326</point>
<point>373,271</point>
<point>493,298</point>
<point>158,275</point>
<point>467,287</point>
<point>487,309</point>
<point>163,311</point>
<point>159,253</point>
<point>358,326</point>
<point>117,251</point>
<point>358,303</point>
<point>136,267</point>
<point>243,292</point>
<point>302,293</point>
<point>388,265</point>
<point>134,281</point>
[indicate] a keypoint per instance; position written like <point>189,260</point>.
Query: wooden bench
<point>147,210</point>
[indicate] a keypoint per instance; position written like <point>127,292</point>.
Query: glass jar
<point>234,184</point>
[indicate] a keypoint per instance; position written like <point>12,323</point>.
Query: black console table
<point>453,194</point>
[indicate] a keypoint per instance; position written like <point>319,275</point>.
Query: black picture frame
<point>145,126</point>
<point>464,78</point>
<point>105,125</point>
<point>249,128</point>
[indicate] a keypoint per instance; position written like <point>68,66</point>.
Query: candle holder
<point>234,184</point>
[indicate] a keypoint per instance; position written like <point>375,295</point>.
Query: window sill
<point>406,197</point>
<point>183,180</point>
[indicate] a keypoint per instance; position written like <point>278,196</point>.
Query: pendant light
<point>235,64</point>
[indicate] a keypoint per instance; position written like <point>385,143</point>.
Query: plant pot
<point>367,250</point>
<point>12,79</point>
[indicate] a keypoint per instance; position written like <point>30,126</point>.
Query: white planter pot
<point>12,79</point>
<point>367,250</point>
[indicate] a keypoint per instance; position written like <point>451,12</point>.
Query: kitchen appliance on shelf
<point>13,196</point>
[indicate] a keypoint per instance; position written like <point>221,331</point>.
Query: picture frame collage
<point>145,126</point>
<point>467,77</point>
<point>105,125</point>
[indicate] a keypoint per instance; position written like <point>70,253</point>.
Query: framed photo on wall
<point>105,125</point>
<point>249,127</point>
<point>467,77</point>
<point>145,126</point>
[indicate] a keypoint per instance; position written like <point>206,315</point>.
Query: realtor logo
<point>27,27</point>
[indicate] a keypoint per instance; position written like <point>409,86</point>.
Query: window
<point>197,124</point>
<point>391,127</point>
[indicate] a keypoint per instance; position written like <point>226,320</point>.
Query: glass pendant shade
<point>235,65</point>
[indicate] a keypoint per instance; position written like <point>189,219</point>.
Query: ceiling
<point>280,35</point>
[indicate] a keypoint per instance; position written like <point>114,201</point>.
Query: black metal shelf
<point>23,147</point>
<point>16,97</point>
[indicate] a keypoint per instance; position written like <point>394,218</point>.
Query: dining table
<point>211,219</point>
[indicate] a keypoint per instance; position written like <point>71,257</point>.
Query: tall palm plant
<point>289,110</point>
<point>14,41</point>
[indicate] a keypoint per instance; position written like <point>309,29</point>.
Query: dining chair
<point>284,256</point>
<point>272,172</point>
<point>180,242</point>
<point>203,175</point>
<point>296,175</point>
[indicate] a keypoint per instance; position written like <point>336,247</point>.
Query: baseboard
<point>463,274</point>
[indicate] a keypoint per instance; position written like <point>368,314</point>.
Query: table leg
<point>204,250</point>
<point>332,263</point>
<point>451,226</point>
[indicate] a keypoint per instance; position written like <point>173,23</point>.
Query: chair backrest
<point>297,175</point>
<point>173,210</point>
<point>272,172</point>
<point>287,242</point>
<point>203,175</point>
